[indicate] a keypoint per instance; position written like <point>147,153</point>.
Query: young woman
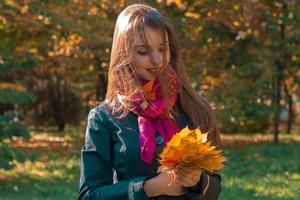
<point>149,99</point>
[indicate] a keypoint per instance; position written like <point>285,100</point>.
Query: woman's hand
<point>163,184</point>
<point>187,175</point>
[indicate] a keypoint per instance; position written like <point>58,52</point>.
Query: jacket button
<point>159,140</point>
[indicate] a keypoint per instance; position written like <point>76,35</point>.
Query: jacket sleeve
<point>208,188</point>
<point>96,169</point>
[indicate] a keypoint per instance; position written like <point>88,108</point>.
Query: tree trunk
<point>58,104</point>
<point>87,107</point>
<point>101,87</point>
<point>290,102</point>
<point>61,126</point>
<point>280,65</point>
<point>277,98</point>
<point>290,116</point>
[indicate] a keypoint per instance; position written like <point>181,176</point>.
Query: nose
<point>156,59</point>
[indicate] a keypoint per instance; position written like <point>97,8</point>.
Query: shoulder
<point>99,130</point>
<point>99,116</point>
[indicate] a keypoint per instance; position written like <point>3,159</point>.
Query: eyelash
<point>142,52</point>
<point>146,52</point>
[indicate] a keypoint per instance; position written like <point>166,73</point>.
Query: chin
<point>152,78</point>
<point>149,78</point>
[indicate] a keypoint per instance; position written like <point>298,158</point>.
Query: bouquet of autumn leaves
<point>191,147</point>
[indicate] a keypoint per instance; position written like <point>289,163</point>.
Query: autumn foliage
<point>191,147</point>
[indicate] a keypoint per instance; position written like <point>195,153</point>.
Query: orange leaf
<point>148,89</point>
<point>192,147</point>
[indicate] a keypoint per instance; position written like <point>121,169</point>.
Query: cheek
<point>141,62</point>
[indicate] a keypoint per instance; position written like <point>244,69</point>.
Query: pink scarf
<point>154,118</point>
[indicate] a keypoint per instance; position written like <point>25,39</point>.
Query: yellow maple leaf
<point>185,132</point>
<point>191,147</point>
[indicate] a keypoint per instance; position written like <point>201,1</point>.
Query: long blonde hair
<point>129,25</point>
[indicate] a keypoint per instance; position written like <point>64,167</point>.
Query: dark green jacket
<point>111,168</point>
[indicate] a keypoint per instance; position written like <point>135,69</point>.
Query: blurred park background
<point>243,56</point>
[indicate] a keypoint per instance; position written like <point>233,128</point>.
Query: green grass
<point>262,172</point>
<point>51,177</point>
<point>266,172</point>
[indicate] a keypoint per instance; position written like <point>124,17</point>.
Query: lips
<point>154,71</point>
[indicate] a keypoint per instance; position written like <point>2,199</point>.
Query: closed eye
<point>142,52</point>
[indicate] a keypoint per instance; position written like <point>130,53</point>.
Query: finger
<point>179,178</point>
<point>180,173</point>
<point>188,184</point>
<point>186,173</point>
<point>188,169</point>
<point>196,179</point>
<point>185,185</point>
<point>183,175</point>
<point>176,182</point>
<point>191,175</point>
<point>182,170</point>
<point>196,173</point>
<point>187,181</point>
<point>183,181</point>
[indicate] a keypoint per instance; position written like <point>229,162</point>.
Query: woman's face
<point>148,57</point>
